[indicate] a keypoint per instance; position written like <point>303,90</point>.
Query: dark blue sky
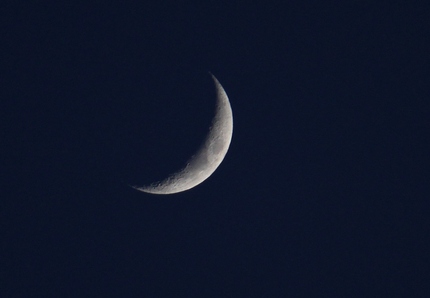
<point>323,193</point>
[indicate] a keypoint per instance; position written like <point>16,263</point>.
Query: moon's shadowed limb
<point>207,159</point>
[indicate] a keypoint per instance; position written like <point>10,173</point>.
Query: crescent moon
<point>210,155</point>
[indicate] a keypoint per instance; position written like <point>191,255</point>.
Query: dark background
<point>323,193</point>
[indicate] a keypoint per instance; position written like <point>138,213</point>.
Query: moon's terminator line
<point>210,155</point>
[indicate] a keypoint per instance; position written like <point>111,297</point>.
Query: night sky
<point>324,190</point>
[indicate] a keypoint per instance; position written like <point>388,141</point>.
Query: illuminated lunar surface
<point>207,159</point>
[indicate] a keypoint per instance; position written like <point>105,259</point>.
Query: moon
<point>207,158</point>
